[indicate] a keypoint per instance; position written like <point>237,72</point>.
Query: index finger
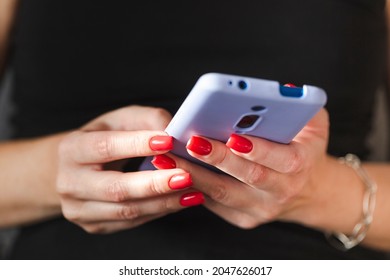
<point>106,146</point>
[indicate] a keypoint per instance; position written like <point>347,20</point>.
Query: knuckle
<point>256,175</point>
<point>97,228</point>
<point>103,144</point>
<point>71,213</point>
<point>160,118</point>
<point>73,216</point>
<point>219,193</point>
<point>63,186</point>
<point>246,222</point>
<point>117,191</point>
<point>295,161</point>
<point>137,144</point>
<point>160,113</point>
<point>66,146</point>
<point>168,205</point>
<point>129,212</point>
<point>155,186</point>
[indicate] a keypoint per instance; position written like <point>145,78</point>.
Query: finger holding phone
<point>270,141</point>
<point>266,181</point>
<point>269,181</point>
<point>102,199</point>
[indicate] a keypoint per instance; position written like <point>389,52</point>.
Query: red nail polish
<point>239,144</point>
<point>163,162</point>
<point>161,143</point>
<point>180,181</point>
<point>199,146</point>
<point>192,199</point>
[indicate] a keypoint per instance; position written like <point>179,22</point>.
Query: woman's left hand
<point>268,181</point>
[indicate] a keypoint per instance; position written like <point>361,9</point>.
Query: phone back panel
<point>218,104</point>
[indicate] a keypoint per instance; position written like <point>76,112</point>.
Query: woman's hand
<point>268,181</point>
<point>101,200</point>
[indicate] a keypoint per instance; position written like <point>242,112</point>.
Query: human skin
<point>50,176</point>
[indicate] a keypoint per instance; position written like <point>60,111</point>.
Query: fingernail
<point>163,162</point>
<point>180,181</point>
<point>192,199</point>
<point>161,143</point>
<point>239,144</point>
<point>199,145</point>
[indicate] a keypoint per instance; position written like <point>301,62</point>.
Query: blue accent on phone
<point>287,91</point>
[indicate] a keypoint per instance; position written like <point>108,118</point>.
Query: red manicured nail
<point>199,145</point>
<point>239,144</point>
<point>163,162</point>
<point>290,85</point>
<point>180,181</point>
<point>192,199</point>
<point>161,143</point>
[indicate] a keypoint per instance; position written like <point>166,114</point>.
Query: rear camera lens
<point>242,85</point>
<point>247,121</point>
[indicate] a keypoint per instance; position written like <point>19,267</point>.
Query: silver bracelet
<point>346,242</point>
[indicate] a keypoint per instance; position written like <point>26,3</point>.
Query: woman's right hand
<point>104,201</point>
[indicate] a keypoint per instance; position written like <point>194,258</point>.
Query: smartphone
<point>220,104</point>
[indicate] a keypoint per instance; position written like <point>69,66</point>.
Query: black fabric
<point>191,234</point>
<point>75,60</point>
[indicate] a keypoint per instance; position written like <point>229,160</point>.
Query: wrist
<point>348,241</point>
<point>336,196</point>
<point>29,182</point>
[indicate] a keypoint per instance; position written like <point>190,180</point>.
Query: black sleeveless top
<point>75,60</point>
